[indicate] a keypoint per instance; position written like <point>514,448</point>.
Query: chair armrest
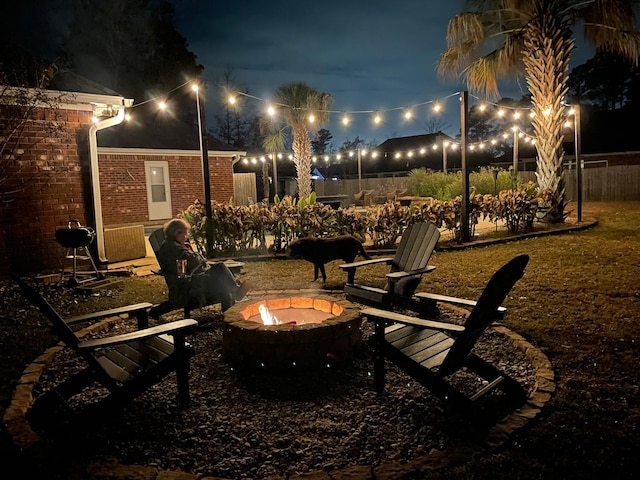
<point>384,315</point>
<point>402,274</point>
<point>168,328</point>
<point>130,309</point>
<point>186,277</point>
<point>364,263</point>
<point>350,268</point>
<point>464,302</point>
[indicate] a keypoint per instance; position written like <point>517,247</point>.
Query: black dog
<point>323,250</point>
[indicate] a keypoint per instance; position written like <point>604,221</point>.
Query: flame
<point>267,317</point>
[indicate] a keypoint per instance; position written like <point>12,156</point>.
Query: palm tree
<point>536,37</point>
<point>298,106</point>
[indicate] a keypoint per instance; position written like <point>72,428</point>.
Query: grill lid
<point>75,236</point>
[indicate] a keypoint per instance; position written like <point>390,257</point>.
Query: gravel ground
<point>257,424</point>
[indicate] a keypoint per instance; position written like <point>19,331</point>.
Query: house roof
<point>67,81</point>
<point>158,132</point>
<point>153,129</point>
<point>411,143</point>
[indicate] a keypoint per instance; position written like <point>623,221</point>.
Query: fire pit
<point>295,332</point>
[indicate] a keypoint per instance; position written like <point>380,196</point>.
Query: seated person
<point>207,283</point>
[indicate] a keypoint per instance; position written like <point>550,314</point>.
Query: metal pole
<point>464,100</point>
<point>515,156</point>
<point>444,157</point>
<point>204,153</point>
<point>275,175</point>
<point>578,152</point>
<point>359,171</point>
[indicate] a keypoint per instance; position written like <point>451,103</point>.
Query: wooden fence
<point>599,184</point>
<point>244,188</point>
<point>609,183</point>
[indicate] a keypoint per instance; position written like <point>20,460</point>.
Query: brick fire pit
<point>315,332</point>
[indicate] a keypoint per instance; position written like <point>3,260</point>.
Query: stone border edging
<point>25,438</point>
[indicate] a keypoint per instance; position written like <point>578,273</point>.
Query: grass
<point>578,301</point>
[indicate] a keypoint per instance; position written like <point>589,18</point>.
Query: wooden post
<point>464,100</point>
<point>516,131</point>
<point>444,155</point>
<point>275,175</point>
<point>359,170</point>
<point>578,148</point>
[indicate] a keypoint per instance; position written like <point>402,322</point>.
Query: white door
<point>158,190</point>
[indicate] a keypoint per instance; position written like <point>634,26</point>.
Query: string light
<point>377,118</point>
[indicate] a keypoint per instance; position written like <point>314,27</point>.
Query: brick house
<point>100,173</point>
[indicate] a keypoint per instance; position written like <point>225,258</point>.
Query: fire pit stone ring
<point>314,331</point>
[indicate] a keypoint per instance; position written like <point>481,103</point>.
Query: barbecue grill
<point>76,239</point>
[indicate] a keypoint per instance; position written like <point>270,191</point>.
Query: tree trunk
<point>547,50</point>
<point>302,156</point>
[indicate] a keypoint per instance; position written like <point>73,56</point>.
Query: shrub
<point>243,229</point>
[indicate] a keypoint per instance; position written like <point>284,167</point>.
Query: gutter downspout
<point>95,179</point>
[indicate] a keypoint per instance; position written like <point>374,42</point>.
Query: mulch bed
<point>257,424</point>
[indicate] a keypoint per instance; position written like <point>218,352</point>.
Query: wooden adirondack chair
<point>178,287</point>
<point>409,263</point>
<point>429,350</point>
<point>179,296</point>
<point>127,364</point>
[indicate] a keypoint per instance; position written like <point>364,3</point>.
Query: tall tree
<point>603,81</point>
<point>132,47</point>
<point>299,109</point>
<point>435,124</point>
<point>535,37</point>
<point>321,141</point>
<point>237,123</point>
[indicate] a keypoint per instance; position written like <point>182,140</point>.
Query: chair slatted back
<point>155,239</point>
<point>59,326</point>
<point>416,246</point>
<point>484,313</point>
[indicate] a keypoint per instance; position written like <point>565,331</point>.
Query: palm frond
<point>480,76</point>
<point>465,29</point>
<point>609,25</point>
<point>454,60</point>
<point>626,44</point>
<point>274,142</point>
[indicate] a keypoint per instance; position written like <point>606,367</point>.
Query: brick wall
<point>56,172</point>
<point>124,192</point>
<point>53,170</point>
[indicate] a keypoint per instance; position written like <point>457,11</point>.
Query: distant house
<point>416,151</point>
<point>105,174</point>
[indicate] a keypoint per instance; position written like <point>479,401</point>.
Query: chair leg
<point>378,371</point>
<point>378,357</point>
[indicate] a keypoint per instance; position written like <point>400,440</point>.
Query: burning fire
<point>267,317</point>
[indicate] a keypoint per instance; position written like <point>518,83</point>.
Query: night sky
<point>370,55</point>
